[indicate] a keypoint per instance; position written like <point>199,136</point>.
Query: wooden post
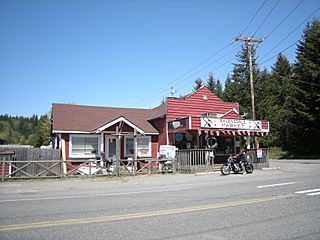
<point>3,168</point>
<point>135,151</point>
<point>64,158</point>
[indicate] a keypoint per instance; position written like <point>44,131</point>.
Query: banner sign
<point>237,124</point>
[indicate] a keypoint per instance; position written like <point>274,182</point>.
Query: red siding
<point>125,128</point>
<point>196,123</point>
<point>6,169</point>
<point>160,125</point>
<point>154,146</point>
<point>195,104</point>
<point>265,124</point>
<point>232,115</point>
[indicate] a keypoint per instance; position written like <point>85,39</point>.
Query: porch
<point>203,160</point>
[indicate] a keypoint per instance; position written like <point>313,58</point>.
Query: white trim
<point>83,155</point>
<point>231,110</point>
<point>71,132</point>
<point>120,119</point>
<point>190,122</point>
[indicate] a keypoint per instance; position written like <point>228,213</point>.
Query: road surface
<point>276,204</point>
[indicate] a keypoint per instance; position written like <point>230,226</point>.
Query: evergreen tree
<point>306,80</point>
<point>219,89</point>
<point>214,85</point>
<point>237,88</point>
<point>211,83</point>
<point>44,131</point>
<point>198,84</point>
<point>277,103</point>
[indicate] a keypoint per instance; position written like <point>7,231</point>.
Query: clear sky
<point>127,53</point>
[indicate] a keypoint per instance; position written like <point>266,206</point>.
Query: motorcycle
<point>233,164</point>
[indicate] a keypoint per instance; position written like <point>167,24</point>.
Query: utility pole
<point>249,42</point>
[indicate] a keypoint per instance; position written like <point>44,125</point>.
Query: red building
<point>185,122</point>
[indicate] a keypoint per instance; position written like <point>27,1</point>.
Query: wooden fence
<point>27,162</point>
<point>31,169</point>
<point>195,160</point>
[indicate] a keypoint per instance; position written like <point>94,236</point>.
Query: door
<point>111,144</point>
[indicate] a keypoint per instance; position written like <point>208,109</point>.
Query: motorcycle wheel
<point>249,168</point>
<point>225,169</point>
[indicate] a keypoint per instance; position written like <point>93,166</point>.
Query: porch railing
<point>202,160</point>
<point>195,160</point>
<point>259,157</point>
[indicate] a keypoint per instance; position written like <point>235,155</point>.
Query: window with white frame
<point>83,145</point>
<point>143,146</point>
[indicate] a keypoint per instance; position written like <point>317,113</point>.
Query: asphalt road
<point>275,204</point>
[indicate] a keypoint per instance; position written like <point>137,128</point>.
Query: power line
<point>187,72</point>
<point>282,51</point>
<point>194,74</point>
<point>291,32</point>
<point>210,57</point>
<point>286,17</point>
<point>252,18</point>
<point>203,75</point>
<point>263,21</point>
<point>314,84</point>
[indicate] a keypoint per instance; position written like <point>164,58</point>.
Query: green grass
<point>278,153</point>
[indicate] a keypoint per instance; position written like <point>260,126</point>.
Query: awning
<point>224,132</point>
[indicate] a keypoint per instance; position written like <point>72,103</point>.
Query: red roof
<point>70,117</point>
<point>197,103</point>
<point>78,118</point>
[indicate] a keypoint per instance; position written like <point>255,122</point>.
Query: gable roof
<point>199,102</point>
<point>79,118</point>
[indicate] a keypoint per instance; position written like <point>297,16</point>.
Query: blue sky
<point>128,53</point>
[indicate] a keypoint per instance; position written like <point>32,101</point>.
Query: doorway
<point>111,144</point>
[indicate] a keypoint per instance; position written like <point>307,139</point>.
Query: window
<point>143,146</point>
<point>83,146</point>
<point>129,146</point>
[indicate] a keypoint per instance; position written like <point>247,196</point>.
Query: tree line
<point>32,131</point>
<point>288,95</point>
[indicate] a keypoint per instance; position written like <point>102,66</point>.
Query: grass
<point>278,153</point>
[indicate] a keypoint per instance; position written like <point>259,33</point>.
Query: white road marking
<point>308,191</point>
<point>276,185</point>
<point>313,194</point>
<point>93,195</point>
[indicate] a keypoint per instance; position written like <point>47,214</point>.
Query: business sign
<point>179,123</point>
<point>222,123</point>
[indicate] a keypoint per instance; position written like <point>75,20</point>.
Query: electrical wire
<point>282,51</point>
<point>253,18</point>
<point>190,76</point>
<point>286,17</point>
<point>288,35</point>
<point>263,21</point>
<point>206,60</point>
<point>155,93</point>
